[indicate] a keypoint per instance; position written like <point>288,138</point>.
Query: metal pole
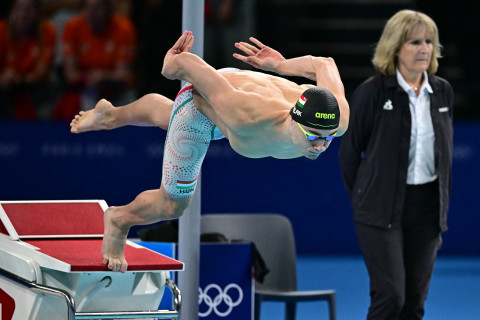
<point>189,225</point>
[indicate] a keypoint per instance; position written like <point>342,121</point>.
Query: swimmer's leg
<point>150,110</point>
<point>148,207</point>
<point>188,139</point>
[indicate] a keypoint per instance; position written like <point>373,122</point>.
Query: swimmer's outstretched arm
<point>322,70</point>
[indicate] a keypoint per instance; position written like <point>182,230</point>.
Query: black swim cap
<point>317,108</point>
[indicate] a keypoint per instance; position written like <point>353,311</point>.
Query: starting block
<point>51,266</point>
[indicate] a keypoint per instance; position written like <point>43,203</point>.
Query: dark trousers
<point>400,260</point>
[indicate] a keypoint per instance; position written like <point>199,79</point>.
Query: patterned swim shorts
<point>188,138</point>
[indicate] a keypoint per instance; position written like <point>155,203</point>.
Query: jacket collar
<point>391,82</point>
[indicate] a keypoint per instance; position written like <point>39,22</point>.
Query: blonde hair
<point>394,35</point>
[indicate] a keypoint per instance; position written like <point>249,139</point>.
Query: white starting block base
<point>95,292</point>
<point>50,275</point>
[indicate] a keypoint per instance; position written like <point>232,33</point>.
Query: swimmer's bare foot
<point>95,119</point>
<point>114,241</point>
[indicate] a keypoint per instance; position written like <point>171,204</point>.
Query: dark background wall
<point>44,161</point>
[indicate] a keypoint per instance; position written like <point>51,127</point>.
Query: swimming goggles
<point>314,137</point>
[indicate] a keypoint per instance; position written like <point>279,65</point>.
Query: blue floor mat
<point>454,290</point>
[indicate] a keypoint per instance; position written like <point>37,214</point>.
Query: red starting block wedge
<point>55,246</point>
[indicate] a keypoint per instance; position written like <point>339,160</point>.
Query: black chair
<point>273,236</point>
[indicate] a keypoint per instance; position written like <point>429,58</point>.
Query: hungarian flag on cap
<point>301,101</point>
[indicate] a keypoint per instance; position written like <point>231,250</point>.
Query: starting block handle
<point>177,296</point>
<point>43,289</point>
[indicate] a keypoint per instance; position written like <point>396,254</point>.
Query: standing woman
<point>27,50</point>
<point>396,160</point>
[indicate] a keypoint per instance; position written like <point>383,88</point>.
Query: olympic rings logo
<point>222,297</point>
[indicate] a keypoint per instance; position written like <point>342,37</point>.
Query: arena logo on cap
<point>325,115</point>
<point>301,101</point>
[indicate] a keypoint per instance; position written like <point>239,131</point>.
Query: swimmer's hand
<point>259,55</point>
<point>184,44</point>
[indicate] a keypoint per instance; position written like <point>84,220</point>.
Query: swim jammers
<point>189,135</point>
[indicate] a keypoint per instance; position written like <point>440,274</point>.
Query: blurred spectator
<point>98,52</point>
<point>27,46</point>
<point>59,12</point>
<point>123,7</point>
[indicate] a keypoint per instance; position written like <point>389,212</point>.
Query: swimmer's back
<point>264,84</point>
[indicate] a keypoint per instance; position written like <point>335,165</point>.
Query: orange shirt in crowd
<point>23,56</point>
<point>99,51</point>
